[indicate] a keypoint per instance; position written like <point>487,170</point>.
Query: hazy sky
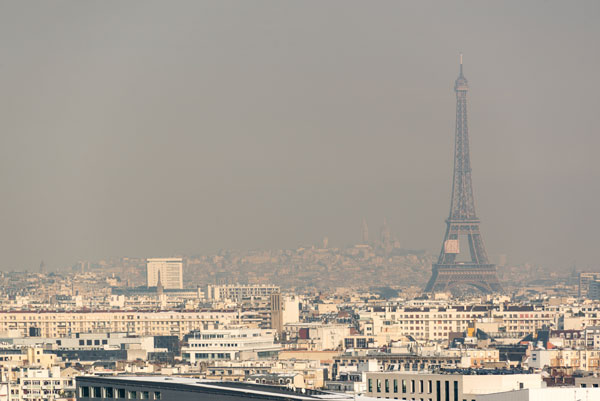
<point>148,128</point>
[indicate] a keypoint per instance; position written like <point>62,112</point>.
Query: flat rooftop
<point>458,371</point>
<point>242,389</point>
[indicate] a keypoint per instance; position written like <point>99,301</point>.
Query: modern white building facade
<point>428,386</point>
<point>230,344</point>
<point>169,269</point>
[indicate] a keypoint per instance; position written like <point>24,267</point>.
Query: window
<point>379,385</point>
<point>447,388</point>
<point>132,395</point>
<point>421,386</point>
<point>412,386</point>
<point>438,387</point>
<point>157,395</point>
<point>370,385</point>
<point>387,386</point>
<point>144,395</point>
<point>97,392</point>
<point>403,386</point>
<point>455,390</point>
<point>108,392</point>
<point>84,392</point>
<point>429,386</point>
<point>395,385</point>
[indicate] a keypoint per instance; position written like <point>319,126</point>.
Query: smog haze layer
<point>154,128</point>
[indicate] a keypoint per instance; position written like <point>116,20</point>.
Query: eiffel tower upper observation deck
<point>478,272</point>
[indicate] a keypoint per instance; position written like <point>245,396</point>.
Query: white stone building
<point>230,344</point>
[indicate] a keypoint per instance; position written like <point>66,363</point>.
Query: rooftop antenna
<point>461,70</point>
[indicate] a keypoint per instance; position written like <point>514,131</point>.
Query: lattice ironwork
<point>462,220</point>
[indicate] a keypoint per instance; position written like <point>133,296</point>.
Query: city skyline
<point>247,128</point>
<point>245,199</point>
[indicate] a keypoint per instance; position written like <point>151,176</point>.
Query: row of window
<point>538,315</point>
<point>119,393</point>
<point>52,318</point>
<point>439,316</point>
<point>413,387</point>
<point>45,382</point>
<point>346,362</point>
<point>203,355</point>
<point>203,345</point>
<point>87,342</point>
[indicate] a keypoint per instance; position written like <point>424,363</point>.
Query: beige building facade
<point>61,324</point>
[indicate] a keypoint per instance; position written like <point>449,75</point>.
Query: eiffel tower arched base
<point>482,277</point>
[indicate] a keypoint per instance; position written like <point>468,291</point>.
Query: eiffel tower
<point>448,273</point>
